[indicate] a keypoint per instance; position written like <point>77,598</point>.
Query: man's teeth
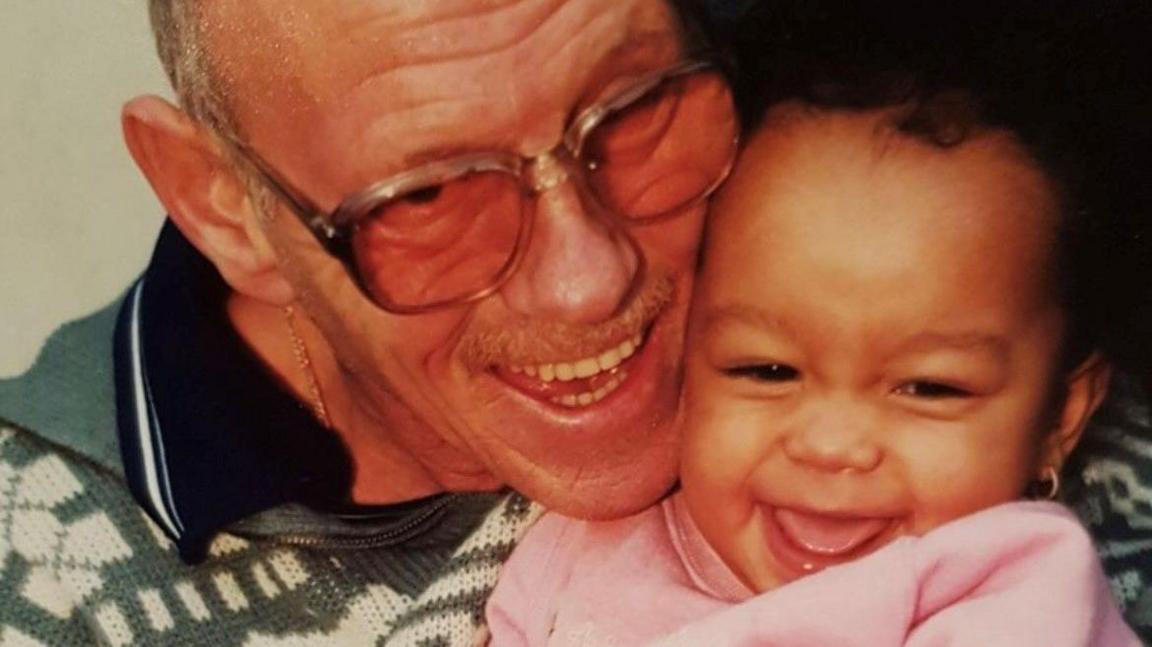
<point>607,361</point>
<point>582,368</point>
<point>589,397</point>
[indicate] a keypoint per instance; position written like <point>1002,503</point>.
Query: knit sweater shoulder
<point>82,564</point>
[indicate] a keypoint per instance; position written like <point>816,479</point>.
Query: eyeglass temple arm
<point>312,217</point>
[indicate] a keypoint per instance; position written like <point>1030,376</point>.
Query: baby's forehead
<point>879,134</point>
<point>850,185</point>
<point>809,159</point>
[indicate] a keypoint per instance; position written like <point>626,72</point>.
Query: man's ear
<point>1084,391</point>
<point>203,195</point>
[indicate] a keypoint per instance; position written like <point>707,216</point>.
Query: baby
<point>885,374</point>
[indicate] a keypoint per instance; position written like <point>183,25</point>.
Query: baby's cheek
<point>714,481</point>
<point>710,428</point>
<point>717,462</point>
<point>958,493</point>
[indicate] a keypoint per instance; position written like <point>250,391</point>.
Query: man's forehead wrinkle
<point>419,13</point>
<point>530,29</point>
<point>623,46</point>
<point>425,11</point>
<point>525,76</point>
<point>575,32</point>
<point>596,31</point>
<point>369,42</point>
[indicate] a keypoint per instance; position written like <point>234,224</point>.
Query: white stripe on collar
<point>149,441</point>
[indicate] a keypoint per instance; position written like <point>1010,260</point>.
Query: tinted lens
<point>442,243</point>
<point>666,150</point>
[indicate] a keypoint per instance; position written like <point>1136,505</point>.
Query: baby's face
<point>874,342</point>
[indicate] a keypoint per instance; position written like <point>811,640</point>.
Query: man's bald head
<point>178,30</point>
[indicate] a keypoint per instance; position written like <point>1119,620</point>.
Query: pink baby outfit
<point>1017,575</point>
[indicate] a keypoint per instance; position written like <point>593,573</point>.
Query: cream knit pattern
<point>80,564</point>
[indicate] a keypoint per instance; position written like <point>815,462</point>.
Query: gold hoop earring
<point>1050,478</point>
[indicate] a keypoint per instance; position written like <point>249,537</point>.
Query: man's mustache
<point>532,341</point>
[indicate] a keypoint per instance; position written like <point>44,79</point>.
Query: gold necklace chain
<point>304,361</point>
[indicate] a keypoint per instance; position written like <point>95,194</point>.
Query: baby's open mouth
<point>806,541</point>
<point>575,383</point>
<point>826,535</point>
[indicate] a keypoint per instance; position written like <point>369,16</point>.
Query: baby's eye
<point>764,372</point>
<point>932,390</point>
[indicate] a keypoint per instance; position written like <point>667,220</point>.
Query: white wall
<point>76,220</point>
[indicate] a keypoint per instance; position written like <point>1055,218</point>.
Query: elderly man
<point>416,250</point>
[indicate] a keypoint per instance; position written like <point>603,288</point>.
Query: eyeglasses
<point>452,232</point>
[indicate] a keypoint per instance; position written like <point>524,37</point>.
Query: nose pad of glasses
<point>549,170</point>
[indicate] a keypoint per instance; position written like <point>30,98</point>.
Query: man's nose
<point>840,438</point>
<point>580,265</point>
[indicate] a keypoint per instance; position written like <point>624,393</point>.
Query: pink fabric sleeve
<point>519,611</point>
<point>1019,574</point>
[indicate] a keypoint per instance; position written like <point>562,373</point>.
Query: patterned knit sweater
<point>80,564</point>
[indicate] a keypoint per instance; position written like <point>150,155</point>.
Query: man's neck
<point>386,472</point>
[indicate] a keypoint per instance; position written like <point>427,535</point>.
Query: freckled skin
<point>338,94</point>
<point>848,253</point>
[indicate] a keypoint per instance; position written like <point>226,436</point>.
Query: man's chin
<point>594,468</point>
<point>612,492</point>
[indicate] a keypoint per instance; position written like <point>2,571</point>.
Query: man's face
<point>339,94</point>
<point>874,343</point>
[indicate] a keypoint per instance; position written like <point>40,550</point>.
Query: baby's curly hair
<point>1069,79</point>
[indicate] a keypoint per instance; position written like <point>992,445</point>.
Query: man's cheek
<point>673,243</point>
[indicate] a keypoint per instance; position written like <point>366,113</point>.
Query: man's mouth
<point>575,383</point>
<point>809,541</point>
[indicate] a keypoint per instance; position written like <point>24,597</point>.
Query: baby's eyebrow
<point>964,341</point>
<point>745,314</point>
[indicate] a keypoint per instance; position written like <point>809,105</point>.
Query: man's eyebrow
<point>418,158</point>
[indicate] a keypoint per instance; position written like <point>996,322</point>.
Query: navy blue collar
<point>208,436</point>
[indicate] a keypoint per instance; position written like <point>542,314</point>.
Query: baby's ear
<point>1084,390</point>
